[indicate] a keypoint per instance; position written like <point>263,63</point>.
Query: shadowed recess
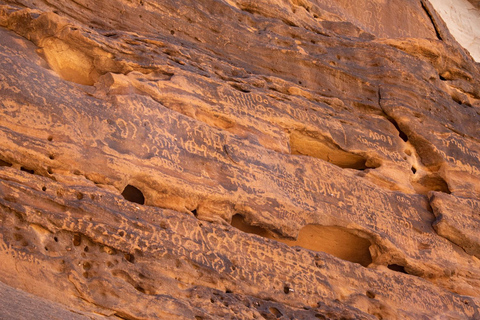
<point>431,183</point>
<point>132,194</point>
<point>397,268</point>
<point>337,241</point>
<point>5,164</point>
<point>303,144</point>
<point>401,134</point>
<point>27,170</point>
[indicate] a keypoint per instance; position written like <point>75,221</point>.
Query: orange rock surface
<point>234,159</point>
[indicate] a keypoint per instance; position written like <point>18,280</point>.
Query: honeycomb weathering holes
<point>337,241</point>
<point>133,194</point>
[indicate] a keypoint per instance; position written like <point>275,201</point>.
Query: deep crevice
<point>337,241</point>
<point>430,16</point>
<point>401,134</point>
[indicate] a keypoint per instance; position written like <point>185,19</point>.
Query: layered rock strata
<point>238,159</point>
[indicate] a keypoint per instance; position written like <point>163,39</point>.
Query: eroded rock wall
<point>239,159</point>
<point>463,20</point>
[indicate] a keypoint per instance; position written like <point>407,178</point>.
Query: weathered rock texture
<point>463,21</point>
<point>238,159</point>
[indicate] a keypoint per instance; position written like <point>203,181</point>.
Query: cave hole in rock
<point>322,148</point>
<point>133,194</point>
<point>27,170</point>
<point>337,241</point>
<point>397,268</point>
<point>414,170</point>
<point>401,134</point>
<point>5,163</point>
<point>129,257</point>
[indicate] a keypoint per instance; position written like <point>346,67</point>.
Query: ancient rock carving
<point>237,159</point>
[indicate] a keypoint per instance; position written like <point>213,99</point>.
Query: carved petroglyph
<point>123,175</point>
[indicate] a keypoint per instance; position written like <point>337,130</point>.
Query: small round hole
<point>50,138</point>
<point>44,188</point>
<point>55,239</point>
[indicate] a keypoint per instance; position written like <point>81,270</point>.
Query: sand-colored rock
<point>463,20</point>
<point>239,159</point>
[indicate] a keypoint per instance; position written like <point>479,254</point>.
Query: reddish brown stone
<point>238,159</point>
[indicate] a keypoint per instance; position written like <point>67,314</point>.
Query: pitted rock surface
<point>238,159</point>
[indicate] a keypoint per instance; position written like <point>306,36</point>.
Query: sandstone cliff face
<point>237,159</point>
<point>463,21</point>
